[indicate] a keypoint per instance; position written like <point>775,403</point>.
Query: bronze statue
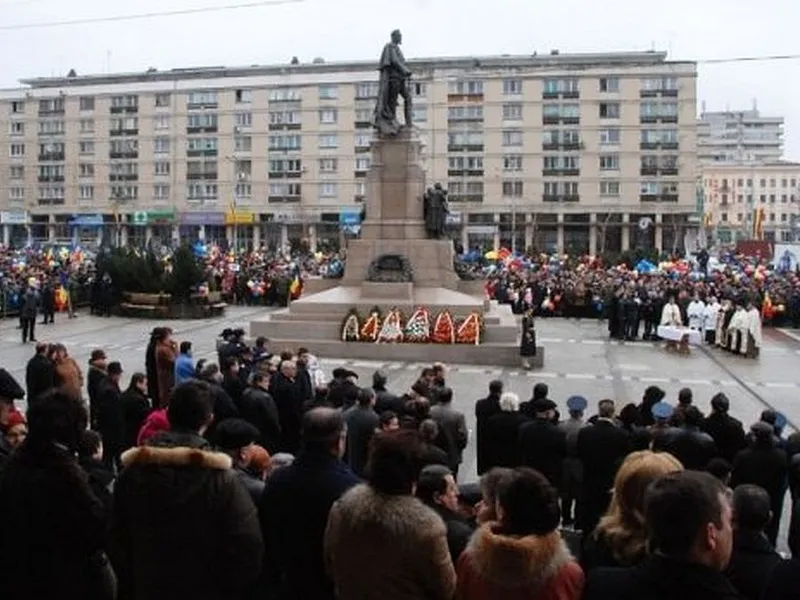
<point>435,211</point>
<point>393,83</point>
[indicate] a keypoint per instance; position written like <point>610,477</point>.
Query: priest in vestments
<point>737,330</point>
<point>710,314</point>
<point>723,320</point>
<point>671,314</point>
<point>694,313</point>
<point>754,339</point>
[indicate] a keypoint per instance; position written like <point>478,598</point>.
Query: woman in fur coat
<point>521,556</point>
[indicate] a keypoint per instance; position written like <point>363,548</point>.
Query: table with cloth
<point>679,339</point>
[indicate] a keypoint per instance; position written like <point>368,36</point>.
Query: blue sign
<point>87,221</point>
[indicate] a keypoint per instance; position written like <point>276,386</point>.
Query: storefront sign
<point>350,217</point>
<point>482,229</point>
<point>140,218</point>
<point>160,217</point>
<point>240,218</point>
<point>86,221</point>
<point>14,217</point>
<point>202,218</point>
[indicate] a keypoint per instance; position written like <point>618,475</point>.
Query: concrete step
<point>289,316</point>
<point>505,355</point>
<point>364,306</point>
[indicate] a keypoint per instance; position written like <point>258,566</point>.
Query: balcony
<point>648,171</point>
<point>465,172</point>
<point>465,198</point>
<point>551,197</point>
<point>561,172</point>
<point>549,95</point>
<point>550,145</point>
<point>570,198</point>
<point>120,110</point>
<point>550,119</point>
<point>465,148</point>
<point>51,112</point>
<point>284,199</point>
<point>669,171</point>
<point>671,197</point>
<point>572,146</point>
<point>669,93</point>
<point>123,154</point>
<point>202,129</point>
<point>285,126</point>
<point>669,118</point>
<point>648,94</point>
<point>122,132</point>
<point>202,105</point>
<point>668,197</point>
<point>649,145</point>
<point>201,152</point>
<point>648,119</point>
<point>648,197</point>
<point>51,156</point>
<point>359,174</point>
<point>51,178</point>
<point>359,198</point>
<point>571,95</point>
<point>114,177</point>
<point>201,176</point>
<point>363,124</point>
<point>669,145</point>
<point>464,119</point>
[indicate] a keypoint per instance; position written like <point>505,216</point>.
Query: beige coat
<point>381,547</point>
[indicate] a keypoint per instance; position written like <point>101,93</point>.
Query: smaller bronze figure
<point>393,83</point>
<point>435,211</point>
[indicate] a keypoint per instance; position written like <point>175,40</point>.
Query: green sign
<point>161,216</point>
<point>140,217</point>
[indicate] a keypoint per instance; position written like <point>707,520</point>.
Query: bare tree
<point>603,232</point>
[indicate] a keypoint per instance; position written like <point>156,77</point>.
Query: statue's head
<point>437,186</point>
<point>397,37</point>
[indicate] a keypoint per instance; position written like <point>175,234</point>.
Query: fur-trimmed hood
<point>511,561</point>
<point>179,456</point>
<point>362,508</point>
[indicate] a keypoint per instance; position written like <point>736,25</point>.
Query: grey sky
<point>356,29</point>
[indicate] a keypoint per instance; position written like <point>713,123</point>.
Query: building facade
<point>588,152</point>
<point>755,201</point>
<point>743,136</point>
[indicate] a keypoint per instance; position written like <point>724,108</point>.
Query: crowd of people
<point>257,476</point>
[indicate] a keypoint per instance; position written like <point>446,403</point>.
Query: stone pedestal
<point>394,229</point>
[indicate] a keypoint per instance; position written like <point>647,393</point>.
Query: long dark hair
<point>56,418</point>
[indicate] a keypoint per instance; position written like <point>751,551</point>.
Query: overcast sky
<point>356,29</point>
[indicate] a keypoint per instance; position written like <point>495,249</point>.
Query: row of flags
<point>759,218</point>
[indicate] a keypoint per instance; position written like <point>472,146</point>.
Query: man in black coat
<point>542,444</point>
<point>95,376</point>
<point>601,449</point>
<point>110,419</point>
<point>39,373</point>
<point>784,581</point>
<point>453,433</point>
<point>258,408</point>
<point>288,398</point>
<point>361,421</point>
<point>727,432</point>
<point>765,465</point>
<point>693,447</point>
<point>503,432</point>
<point>294,510</point>
<point>384,399</point>
<point>688,519</point>
<point>343,389</point>
<point>437,488</point>
<point>484,409</point>
<point>753,557</point>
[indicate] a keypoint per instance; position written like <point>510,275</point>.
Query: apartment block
<point>733,194</point>
<point>739,136</point>
<point>563,152</point>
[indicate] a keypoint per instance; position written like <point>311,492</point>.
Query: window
<point>87,125</point>
<point>649,188</point>
<point>772,198</point>
<point>161,145</point>
<point>16,193</point>
<point>51,195</point>
<point>328,116</point>
<point>512,112</point>
<point>366,90</point>
<point>609,187</point>
<point>202,99</point>
<point>784,217</point>
<point>512,162</point>
<point>772,183</point>
<point>724,217</point>
<point>125,192</point>
<point>465,87</point>
<point>363,140</point>
<point>363,163</point>
<point>284,117</point>
<point>284,142</point>
<point>609,162</point>
<point>86,170</point>
<point>609,110</point>
<point>328,92</point>
<point>328,189</point>
<point>470,163</point>
<point>784,183</point>
<point>512,87</point>
<point>284,189</point>
<point>243,169</point>
<point>207,121</point>
<point>161,167</point>
<point>243,120</point>
<point>792,183</point>
<point>124,169</point>
<point>560,86</point>
<point>17,107</point>
<point>288,94</point>
<point>364,115</point>
<point>763,183</point>
<point>86,192</point>
<point>659,83</point>
<point>243,190</point>
<point>465,113</point>
<point>419,89</point>
<point>329,140</point>
<point>16,128</point>
<point>202,144</point>
<point>609,137</point>
<point>749,183</point>
<point>328,165</point>
<point>161,122</point>
<point>201,191</point>
<point>162,100</point>
<point>161,191</point>
<point>512,137</point>
<point>244,96</point>
<point>86,103</point>
<point>124,124</point>
<point>287,165</point>
<point>512,189</point>
<point>126,101</point>
<point>86,148</point>
<point>17,150</point>
<point>783,199</point>
<point>16,172</point>
<point>609,84</point>
<point>198,168</point>
<point>242,143</point>
<point>51,127</point>
<point>51,106</point>
<point>762,198</point>
<point>419,114</point>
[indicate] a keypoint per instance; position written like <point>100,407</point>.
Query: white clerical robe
<point>737,329</point>
<point>754,326</point>
<point>671,315</point>
<point>694,312</point>
<point>710,316</point>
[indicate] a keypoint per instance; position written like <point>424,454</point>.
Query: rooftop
<point>554,59</point>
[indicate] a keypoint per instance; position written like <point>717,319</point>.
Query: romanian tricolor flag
<point>296,288</point>
<point>758,223</point>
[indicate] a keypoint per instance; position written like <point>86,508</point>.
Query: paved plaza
<point>580,360</point>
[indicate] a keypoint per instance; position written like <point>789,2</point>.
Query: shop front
<point>350,223</point>
<point>240,225</point>
<point>208,226</point>
<point>15,227</point>
<point>160,224</point>
<point>85,230</point>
